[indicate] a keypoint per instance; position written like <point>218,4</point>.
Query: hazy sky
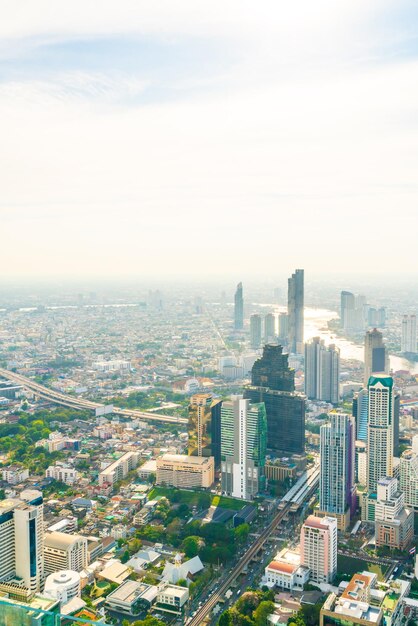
<point>208,137</point>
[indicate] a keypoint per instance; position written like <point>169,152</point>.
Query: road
<point>252,551</point>
<point>80,403</point>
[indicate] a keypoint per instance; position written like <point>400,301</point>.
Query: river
<point>316,321</point>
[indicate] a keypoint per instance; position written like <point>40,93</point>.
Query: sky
<point>195,138</point>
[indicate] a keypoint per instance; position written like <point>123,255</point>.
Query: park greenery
<point>19,439</point>
<point>252,609</point>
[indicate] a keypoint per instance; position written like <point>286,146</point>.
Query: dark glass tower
<point>205,427</point>
<point>273,382</point>
<point>239,308</point>
<point>295,307</point>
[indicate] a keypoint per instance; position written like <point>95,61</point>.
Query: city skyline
<point>109,165</point>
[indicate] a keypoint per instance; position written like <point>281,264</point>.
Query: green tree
<point>125,557</point>
<point>2,494</point>
<point>248,602</point>
<point>190,546</point>
<point>241,533</point>
<point>262,612</point>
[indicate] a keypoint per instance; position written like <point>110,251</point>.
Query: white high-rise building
<point>408,474</point>
<point>21,541</point>
<point>318,547</point>
<point>409,334</point>
<point>336,485</point>
<point>243,447</point>
<point>380,433</point>
<point>64,552</point>
<point>379,430</point>
<point>322,371</point>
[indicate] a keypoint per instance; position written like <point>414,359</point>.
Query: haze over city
<point>208,313</point>
<point>182,138</point>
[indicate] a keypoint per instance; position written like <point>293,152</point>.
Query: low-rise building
<point>180,470</point>
<point>132,597</point>
<point>118,469</point>
<point>63,585</point>
<point>14,474</point>
<point>171,598</point>
<point>286,572</point>
<point>63,473</point>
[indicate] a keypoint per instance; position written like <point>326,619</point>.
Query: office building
<point>408,475</point>
<point>255,331</point>
<point>409,334</point>
<point>119,469</point>
<point>181,470</point>
<point>283,327</point>
<point>295,310</point>
<point>205,427</point>
<point>64,552</point>
<point>239,308</point>
<point>379,439</point>
<point>273,382</point>
<point>21,541</point>
<point>352,311</point>
<point>322,371</point>
<point>269,328</point>
<point>376,358</point>
<point>360,413</point>
<point>336,482</point>
<point>243,447</point>
<point>318,547</point>
<point>393,522</point>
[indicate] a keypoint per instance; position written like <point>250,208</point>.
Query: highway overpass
<point>80,403</point>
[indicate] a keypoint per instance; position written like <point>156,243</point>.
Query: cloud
<point>172,136</point>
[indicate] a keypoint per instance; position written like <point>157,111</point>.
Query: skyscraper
<point>322,371</point>
<point>352,311</point>
<point>409,334</point>
<point>273,382</point>
<point>269,327</point>
<point>376,359</point>
<point>379,438</point>
<point>318,548</point>
<point>360,413</point>
<point>243,447</point>
<point>283,327</point>
<point>295,309</point>
<point>408,474</point>
<point>239,308</point>
<point>205,427</point>
<point>255,331</point>
<point>336,486</point>
<point>22,533</point>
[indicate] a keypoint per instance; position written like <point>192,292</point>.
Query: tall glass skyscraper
<point>336,486</point>
<point>295,309</point>
<point>243,447</point>
<point>239,308</point>
<point>205,426</point>
<point>273,382</point>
